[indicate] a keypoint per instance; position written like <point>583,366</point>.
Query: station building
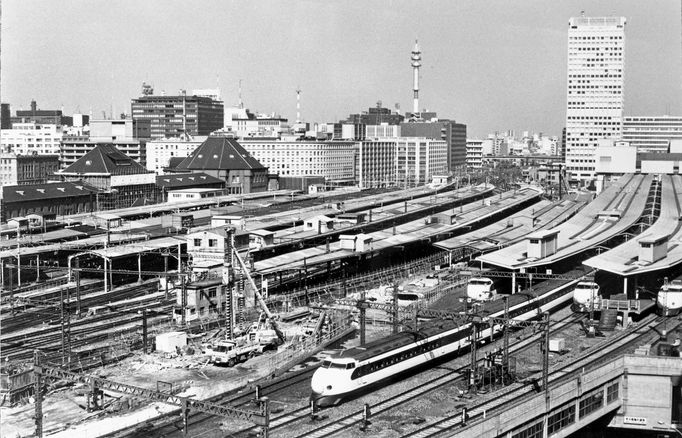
<point>122,181</point>
<point>62,198</point>
<point>225,159</point>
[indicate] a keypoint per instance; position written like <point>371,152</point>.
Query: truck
<point>232,352</point>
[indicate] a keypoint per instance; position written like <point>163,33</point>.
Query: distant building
<point>419,159</point>
<point>127,135</point>
<point>62,198</point>
<point>227,160</point>
<point>357,123</point>
<point>652,133</point>
<point>454,134</point>
<point>243,123</point>
<point>31,138</point>
<point>26,169</point>
<point>382,131</point>
<point>161,151</point>
<point>377,162</point>
<point>123,182</point>
<point>333,160</point>
<point>173,116</point>
<point>42,117</point>
<point>474,154</point>
<point>5,116</point>
<point>594,111</point>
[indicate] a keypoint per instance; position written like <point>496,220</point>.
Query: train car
<point>355,370</point>
<point>669,298</point>
<point>480,289</point>
<point>407,298</point>
<point>585,295</point>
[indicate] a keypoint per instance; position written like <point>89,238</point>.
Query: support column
<point>38,405</point>
<point>78,289</point>
<point>625,286</point>
<point>18,270</point>
<point>37,267</point>
<point>513,291</point>
<point>139,268</point>
<point>106,276</point>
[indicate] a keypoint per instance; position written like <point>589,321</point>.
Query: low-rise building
<point>187,181</point>
<point>27,169</point>
<point>62,198</point>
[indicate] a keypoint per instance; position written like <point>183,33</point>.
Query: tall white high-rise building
<point>594,110</point>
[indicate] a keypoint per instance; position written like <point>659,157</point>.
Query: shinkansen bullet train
<point>669,298</point>
<point>585,295</point>
<point>353,371</point>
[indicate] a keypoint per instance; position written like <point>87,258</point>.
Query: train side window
<point>350,366</point>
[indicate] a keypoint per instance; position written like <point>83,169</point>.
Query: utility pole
<point>545,358</point>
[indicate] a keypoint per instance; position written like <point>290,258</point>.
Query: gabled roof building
<point>225,159</point>
<point>123,181</point>
<point>51,198</point>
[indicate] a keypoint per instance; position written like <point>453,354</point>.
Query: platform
<point>624,260</point>
<point>585,230</point>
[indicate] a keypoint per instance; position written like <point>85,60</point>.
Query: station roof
<point>138,247</point>
<point>39,192</point>
<point>624,259</point>
<point>72,245</point>
<point>406,233</point>
<point>584,230</point>
<point>517,226</point>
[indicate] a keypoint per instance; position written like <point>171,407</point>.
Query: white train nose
<point>318,383</point>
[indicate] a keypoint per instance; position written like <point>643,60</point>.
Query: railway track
<point>280,421</point>
<point>593,356</point>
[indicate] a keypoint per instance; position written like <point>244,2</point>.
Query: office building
<point>162,150</point>
<point>173,116</point>
<point>652,134</point>
<point>595,90</point>
<point>289,157</point>
<point>419,159</point>
<point>243,123</point>
<point>41,117</point>
<point>376,163</point>
<point>454,134</point>
<point>26,169</point>
<point>31,138</point>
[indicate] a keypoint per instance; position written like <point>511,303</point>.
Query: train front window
<point>326,364</point>
<point>330,364</point>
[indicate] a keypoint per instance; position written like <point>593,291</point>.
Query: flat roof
<point>138,247</point>
<point>541,234</point>
<point>72,245</point>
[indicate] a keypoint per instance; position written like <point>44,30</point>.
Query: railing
<point>629,305</point>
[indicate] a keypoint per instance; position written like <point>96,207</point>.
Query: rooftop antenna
<point>241,103</point>
<point>298,105</point>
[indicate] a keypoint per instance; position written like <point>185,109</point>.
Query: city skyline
<point>514,76</point>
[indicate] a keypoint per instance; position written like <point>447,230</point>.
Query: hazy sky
<point>492,64</point>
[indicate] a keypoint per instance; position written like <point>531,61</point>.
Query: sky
<point>494,65</point>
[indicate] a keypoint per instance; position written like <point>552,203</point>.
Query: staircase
<point>608,320</point>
